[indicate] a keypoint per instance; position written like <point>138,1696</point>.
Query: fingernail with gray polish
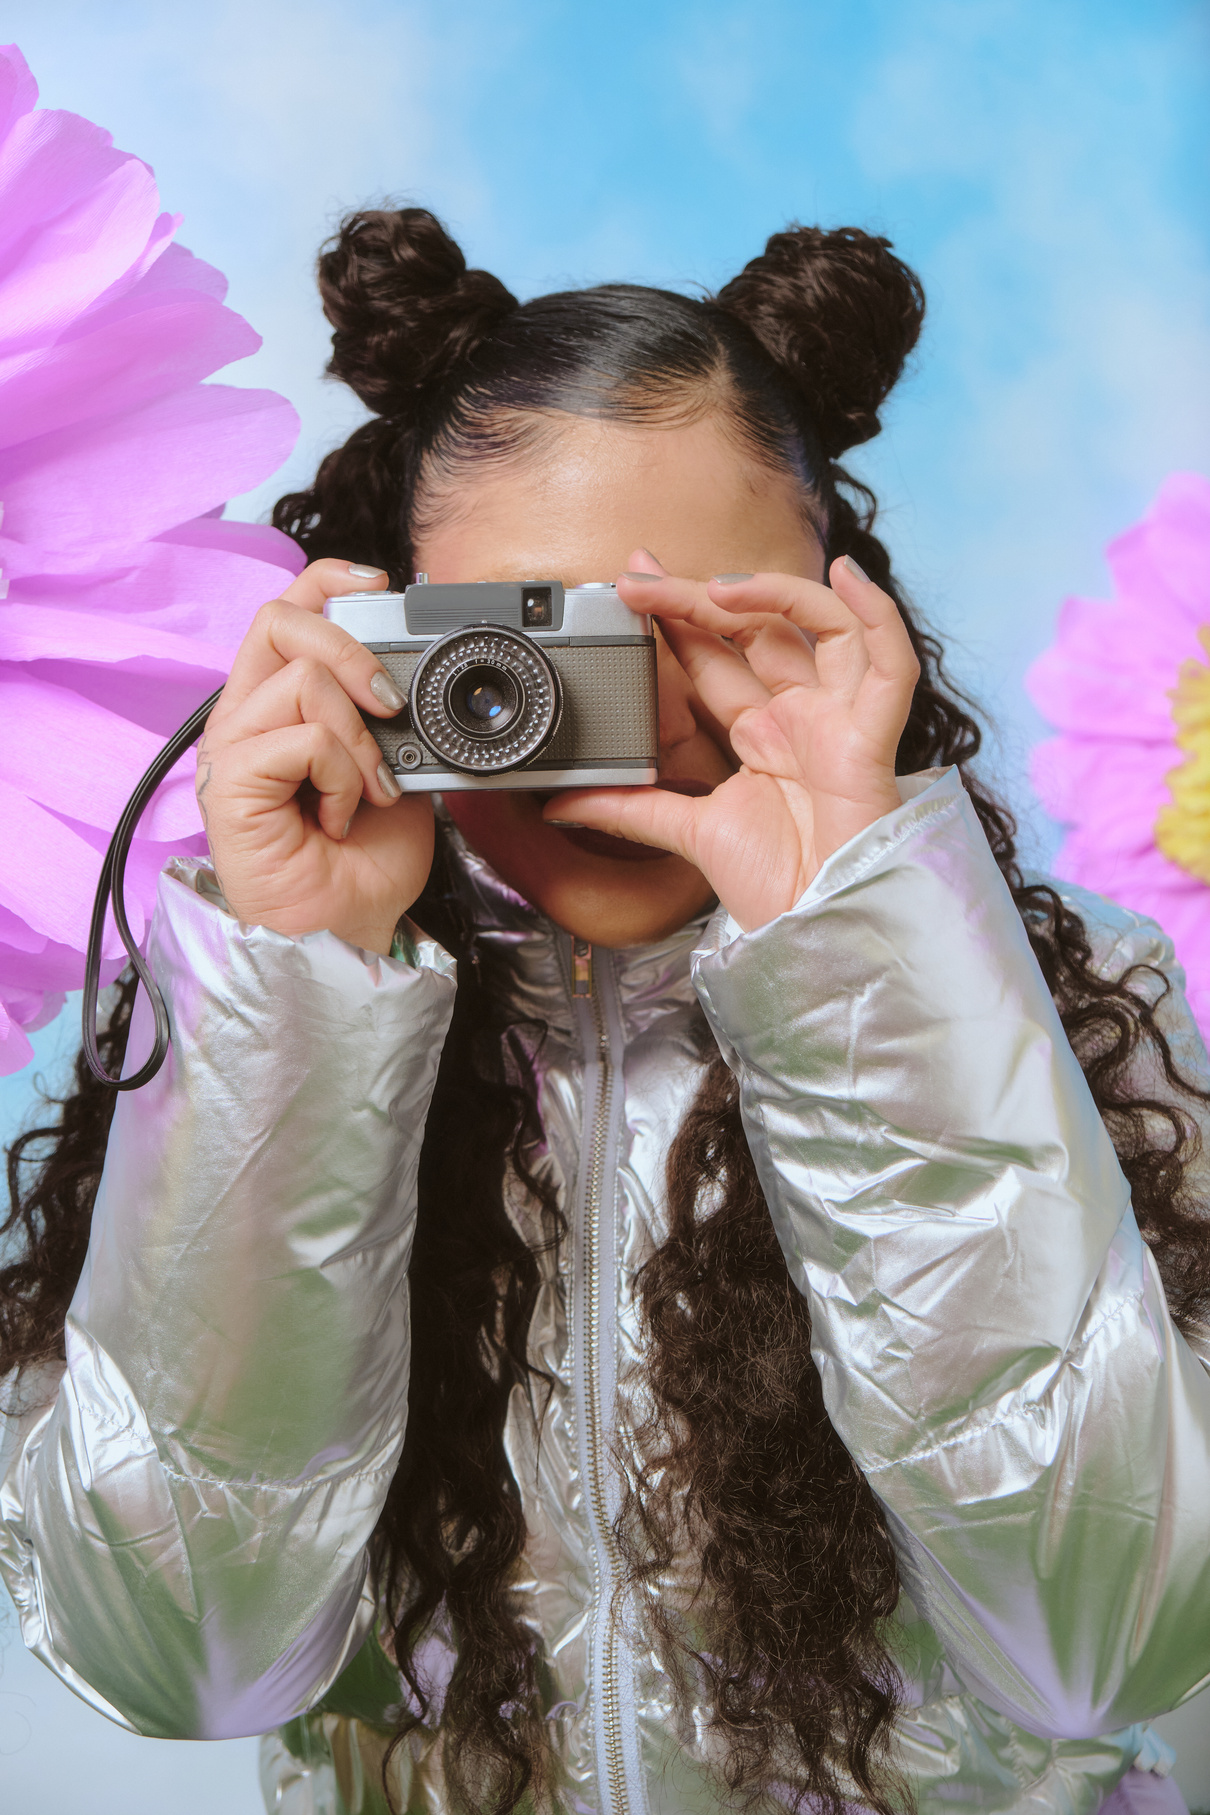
<point>575,824</point>
<point>366,573</point>
<point>731,579</point>
<point>348,826</point>
<point>642,576</point>
<point>385,691</point>
<point>387,782</point>
<point>859,572</point>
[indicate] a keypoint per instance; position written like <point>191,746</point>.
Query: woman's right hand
<point>306,825</point>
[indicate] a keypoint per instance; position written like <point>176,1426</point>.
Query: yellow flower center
<point>1182,829</point>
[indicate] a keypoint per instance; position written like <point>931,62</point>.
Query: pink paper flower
<point>122,594</point>
<point>1107,684</point>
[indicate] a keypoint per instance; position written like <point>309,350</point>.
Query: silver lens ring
<point>527,682</point>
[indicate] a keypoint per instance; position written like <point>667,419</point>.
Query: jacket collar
<point>652,982</point>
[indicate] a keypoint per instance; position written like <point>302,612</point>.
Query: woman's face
<point>600,500</point>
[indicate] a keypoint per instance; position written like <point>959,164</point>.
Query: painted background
<point>1044,167</point>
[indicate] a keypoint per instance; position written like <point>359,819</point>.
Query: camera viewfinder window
<point>536,610</point>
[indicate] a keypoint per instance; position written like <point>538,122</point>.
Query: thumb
<point>652,816</point>
<point>643,561</point>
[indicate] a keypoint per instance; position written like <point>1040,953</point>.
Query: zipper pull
<point>581,967</point>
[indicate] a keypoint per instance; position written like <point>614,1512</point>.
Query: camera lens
<point>485,700</point>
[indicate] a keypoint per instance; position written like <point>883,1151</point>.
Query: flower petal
<point>132,476</point>
<point>1107,683</point>
<point>123,594</point>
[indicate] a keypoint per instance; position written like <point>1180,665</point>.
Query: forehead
<point>579,502</point>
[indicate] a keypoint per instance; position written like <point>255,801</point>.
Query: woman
<point>794,1415</point>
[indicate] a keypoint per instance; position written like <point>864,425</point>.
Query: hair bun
<point>403,305</point>
<point>840,314</point>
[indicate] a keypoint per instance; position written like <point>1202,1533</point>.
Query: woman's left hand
<point>812,688</point>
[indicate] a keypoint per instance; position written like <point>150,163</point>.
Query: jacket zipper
<point>608,1563</point>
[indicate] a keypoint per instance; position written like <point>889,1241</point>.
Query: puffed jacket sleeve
<point>991,1332</point>
<point>185,1511</point>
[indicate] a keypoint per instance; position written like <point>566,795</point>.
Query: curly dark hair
<point>798,1574</point>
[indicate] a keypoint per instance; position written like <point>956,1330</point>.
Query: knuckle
<point>306,671</point>
<point>349,653</point>
<point>269,619</point>
<point>329,743</point>
<point>318,740</point>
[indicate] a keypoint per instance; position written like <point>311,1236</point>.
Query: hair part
<point>465,377</point>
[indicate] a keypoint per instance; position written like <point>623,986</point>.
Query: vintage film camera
<point>511,684</point>
<point>508,683</point>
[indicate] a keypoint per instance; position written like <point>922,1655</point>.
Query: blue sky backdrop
<point>1043,166</point>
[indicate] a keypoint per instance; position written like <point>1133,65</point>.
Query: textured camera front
<point>474,649</point>
<point>609,704</point>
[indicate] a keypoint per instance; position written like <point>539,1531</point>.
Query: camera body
<point>511,684</point>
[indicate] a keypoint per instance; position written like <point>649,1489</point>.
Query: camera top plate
<point>539,608</point>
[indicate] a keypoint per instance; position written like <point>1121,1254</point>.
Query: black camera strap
<point>111,885</point>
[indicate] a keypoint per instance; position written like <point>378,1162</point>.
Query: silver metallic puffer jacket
<point>184,1513</point>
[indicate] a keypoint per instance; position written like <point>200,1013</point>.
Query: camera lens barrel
<point>485,700</point>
